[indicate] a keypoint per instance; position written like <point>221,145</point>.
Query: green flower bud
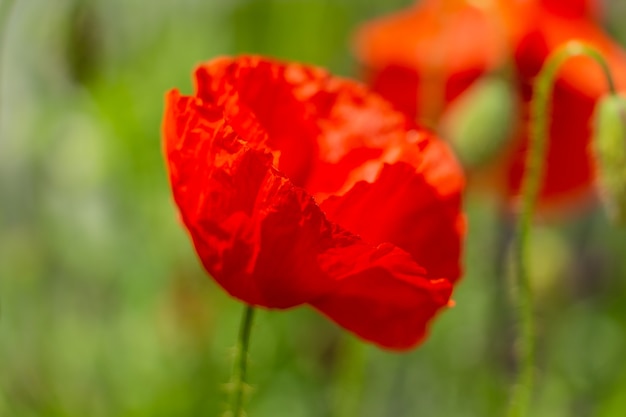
<point>609,150</point>
<point>481,121</point>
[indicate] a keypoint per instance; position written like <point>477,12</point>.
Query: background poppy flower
<point>300,187</point>
<point>572,8</point>
<point>531,31</point>
<point>569,169</point>
<point>422,58</point>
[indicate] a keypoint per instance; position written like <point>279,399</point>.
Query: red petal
<point>251,90</point>
<point>255,232</point>
<point>407,210</point>
<point>572,8</point>
<point>384,298</point>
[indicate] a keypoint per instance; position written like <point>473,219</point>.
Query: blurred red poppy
<point>569,168</point>
<point>299,187</point>
<point>571,8</point>
<point>531,30</point>
<point>423,57</point>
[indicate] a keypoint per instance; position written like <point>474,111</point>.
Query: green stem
<point>539,131</point>
<point>237,383</point>
<point>5,20</point>
<point>349,377</point>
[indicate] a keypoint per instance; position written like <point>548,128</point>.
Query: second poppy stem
<point>237,384</point>
<point>539,132</point>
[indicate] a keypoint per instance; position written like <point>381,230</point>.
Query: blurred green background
<point>105,310</point>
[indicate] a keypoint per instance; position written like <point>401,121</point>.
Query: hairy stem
<point>539,132</point>
<point>237,384</point>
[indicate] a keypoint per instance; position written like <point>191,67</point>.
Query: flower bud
<point>609,151</point>
<point>481,121</point>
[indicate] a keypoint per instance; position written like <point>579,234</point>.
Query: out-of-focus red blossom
<point>423,57</point>
<point>299,187</point>
<point>572,8</point>
<point>569,168</point>
<point>532,29</point>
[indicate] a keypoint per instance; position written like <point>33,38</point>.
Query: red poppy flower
<point>571,8</point>
<point>299,187</point>
<point>569,168</point>
<point>533,29</point>
<point>423,57</point>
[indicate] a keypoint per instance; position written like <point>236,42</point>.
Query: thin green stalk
<point>237,384</point>
<point>349,378</point>
<point>5,19</point>
<point>539,131</point>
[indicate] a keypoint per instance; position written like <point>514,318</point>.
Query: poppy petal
<point>408,211</point>
<point>255,232</point>
<point>572,8</point>
<point>386,301</point>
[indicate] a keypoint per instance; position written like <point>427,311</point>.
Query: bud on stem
<point>479,123</point>
<point>609,150</point>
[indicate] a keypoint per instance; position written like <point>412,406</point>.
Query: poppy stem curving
<point>237,384</point>
<point>539,132</point>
